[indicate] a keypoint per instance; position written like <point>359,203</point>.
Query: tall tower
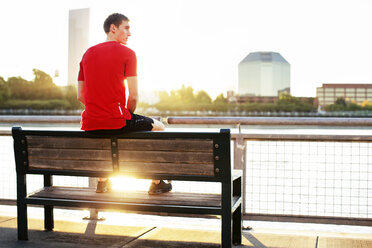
<point>78,41</point>
<point>263,74</point>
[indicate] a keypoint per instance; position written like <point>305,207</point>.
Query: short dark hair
<point>115,19</point>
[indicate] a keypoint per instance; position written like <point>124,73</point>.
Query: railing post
<point>240,152</point>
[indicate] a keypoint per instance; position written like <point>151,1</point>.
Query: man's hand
<point>80,92</point>
<point>133,93</point>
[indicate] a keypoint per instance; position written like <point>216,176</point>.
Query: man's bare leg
<point>157,126</point>
<point>155,188</point>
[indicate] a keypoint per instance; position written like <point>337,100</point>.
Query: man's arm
<point>80,92</point>
<point>133,93</point>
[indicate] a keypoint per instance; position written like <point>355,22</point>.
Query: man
<point>103,69</point>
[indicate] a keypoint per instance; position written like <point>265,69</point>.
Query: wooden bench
<point>186,156</point>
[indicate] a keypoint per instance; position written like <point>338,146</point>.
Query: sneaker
<point>162,187</point>
<point>104,186</point>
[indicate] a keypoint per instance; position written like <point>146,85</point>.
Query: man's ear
<point>113,28</point>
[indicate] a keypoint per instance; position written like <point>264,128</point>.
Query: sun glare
<point>130,184</point>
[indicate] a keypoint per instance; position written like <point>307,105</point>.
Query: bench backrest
<point>143,154</point>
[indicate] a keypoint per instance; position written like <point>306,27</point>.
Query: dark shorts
<point>135,124</point>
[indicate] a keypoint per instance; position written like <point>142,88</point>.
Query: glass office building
<point>263,74</point>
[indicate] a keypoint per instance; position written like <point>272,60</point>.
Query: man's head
<point>116,27</point>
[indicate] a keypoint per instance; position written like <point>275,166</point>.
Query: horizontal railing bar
<point>5,132</point>
<point>309,219</point>
<point>40,119</point>
<point>8,202</point>
<point>317,121</point>
<point>303,137</point>
<point>45,118</point>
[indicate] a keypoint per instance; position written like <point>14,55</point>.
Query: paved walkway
<point>134,230</point>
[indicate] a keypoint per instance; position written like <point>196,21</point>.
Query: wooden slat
<point>167,168</point>
<point>166,157</point>
<point>141,197</point>
<point>69,154</point>
<point>68,142</point>
<point>196,145</point>
<point>51,164</point>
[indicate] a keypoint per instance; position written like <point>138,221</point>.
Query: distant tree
<point>220,99</point>
<point>341,101</point>
<point>40,88</point>
<point>20,88</point>
<point>288,98</point>
<point>366,103</point>
<point>185,94</point>
<point>70,94</point>
<point>166,101</point>
<point>4,91</point>
<point>202,101</point>
<point>44,87</point>
<point>289,103</point>
<point>203,97</point>
<point>342,105</point>
<point>353,107</point>
<point>181,99</point>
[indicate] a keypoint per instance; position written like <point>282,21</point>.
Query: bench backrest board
<point>142,154</point>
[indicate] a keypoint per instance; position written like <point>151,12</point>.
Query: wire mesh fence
<point>7,169</point>
<point>309,178</point>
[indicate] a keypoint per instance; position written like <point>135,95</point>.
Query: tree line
<point>42,93</point>
<point>185,99</point>
<point>39,93</point>
<point>342,105</point>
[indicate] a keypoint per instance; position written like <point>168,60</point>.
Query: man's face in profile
<point>122,32</point>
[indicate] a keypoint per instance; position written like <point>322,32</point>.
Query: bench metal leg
<point>22,221</point>
<point>226,231</point>
<point>21,207</point>
<point>48,210</point>
<point>237,226</point>
<point>48,218</point>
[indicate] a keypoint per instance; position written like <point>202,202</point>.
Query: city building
<point>328,93</point>
<point>263,74</point>
<point>78,41</point>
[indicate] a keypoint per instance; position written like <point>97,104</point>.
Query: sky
<point>200,42</point>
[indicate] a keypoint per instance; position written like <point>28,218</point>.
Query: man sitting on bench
<point>101,89</point>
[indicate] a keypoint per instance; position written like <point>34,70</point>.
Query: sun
<point>122,183</point>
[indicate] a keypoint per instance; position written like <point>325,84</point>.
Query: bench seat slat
<point>194,145</point>
<point>68,142</point>
<point>70,154</point>
<point>140,197</point>
<point>78,165</point>
<point>166,157</point>
<point>167,168</point>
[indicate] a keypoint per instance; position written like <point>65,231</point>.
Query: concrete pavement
<point>135,230</point>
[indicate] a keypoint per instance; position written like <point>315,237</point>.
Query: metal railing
<point>301,178</point>
<point>287,177</point>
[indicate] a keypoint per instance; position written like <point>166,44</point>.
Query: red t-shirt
<point>103,69</point>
